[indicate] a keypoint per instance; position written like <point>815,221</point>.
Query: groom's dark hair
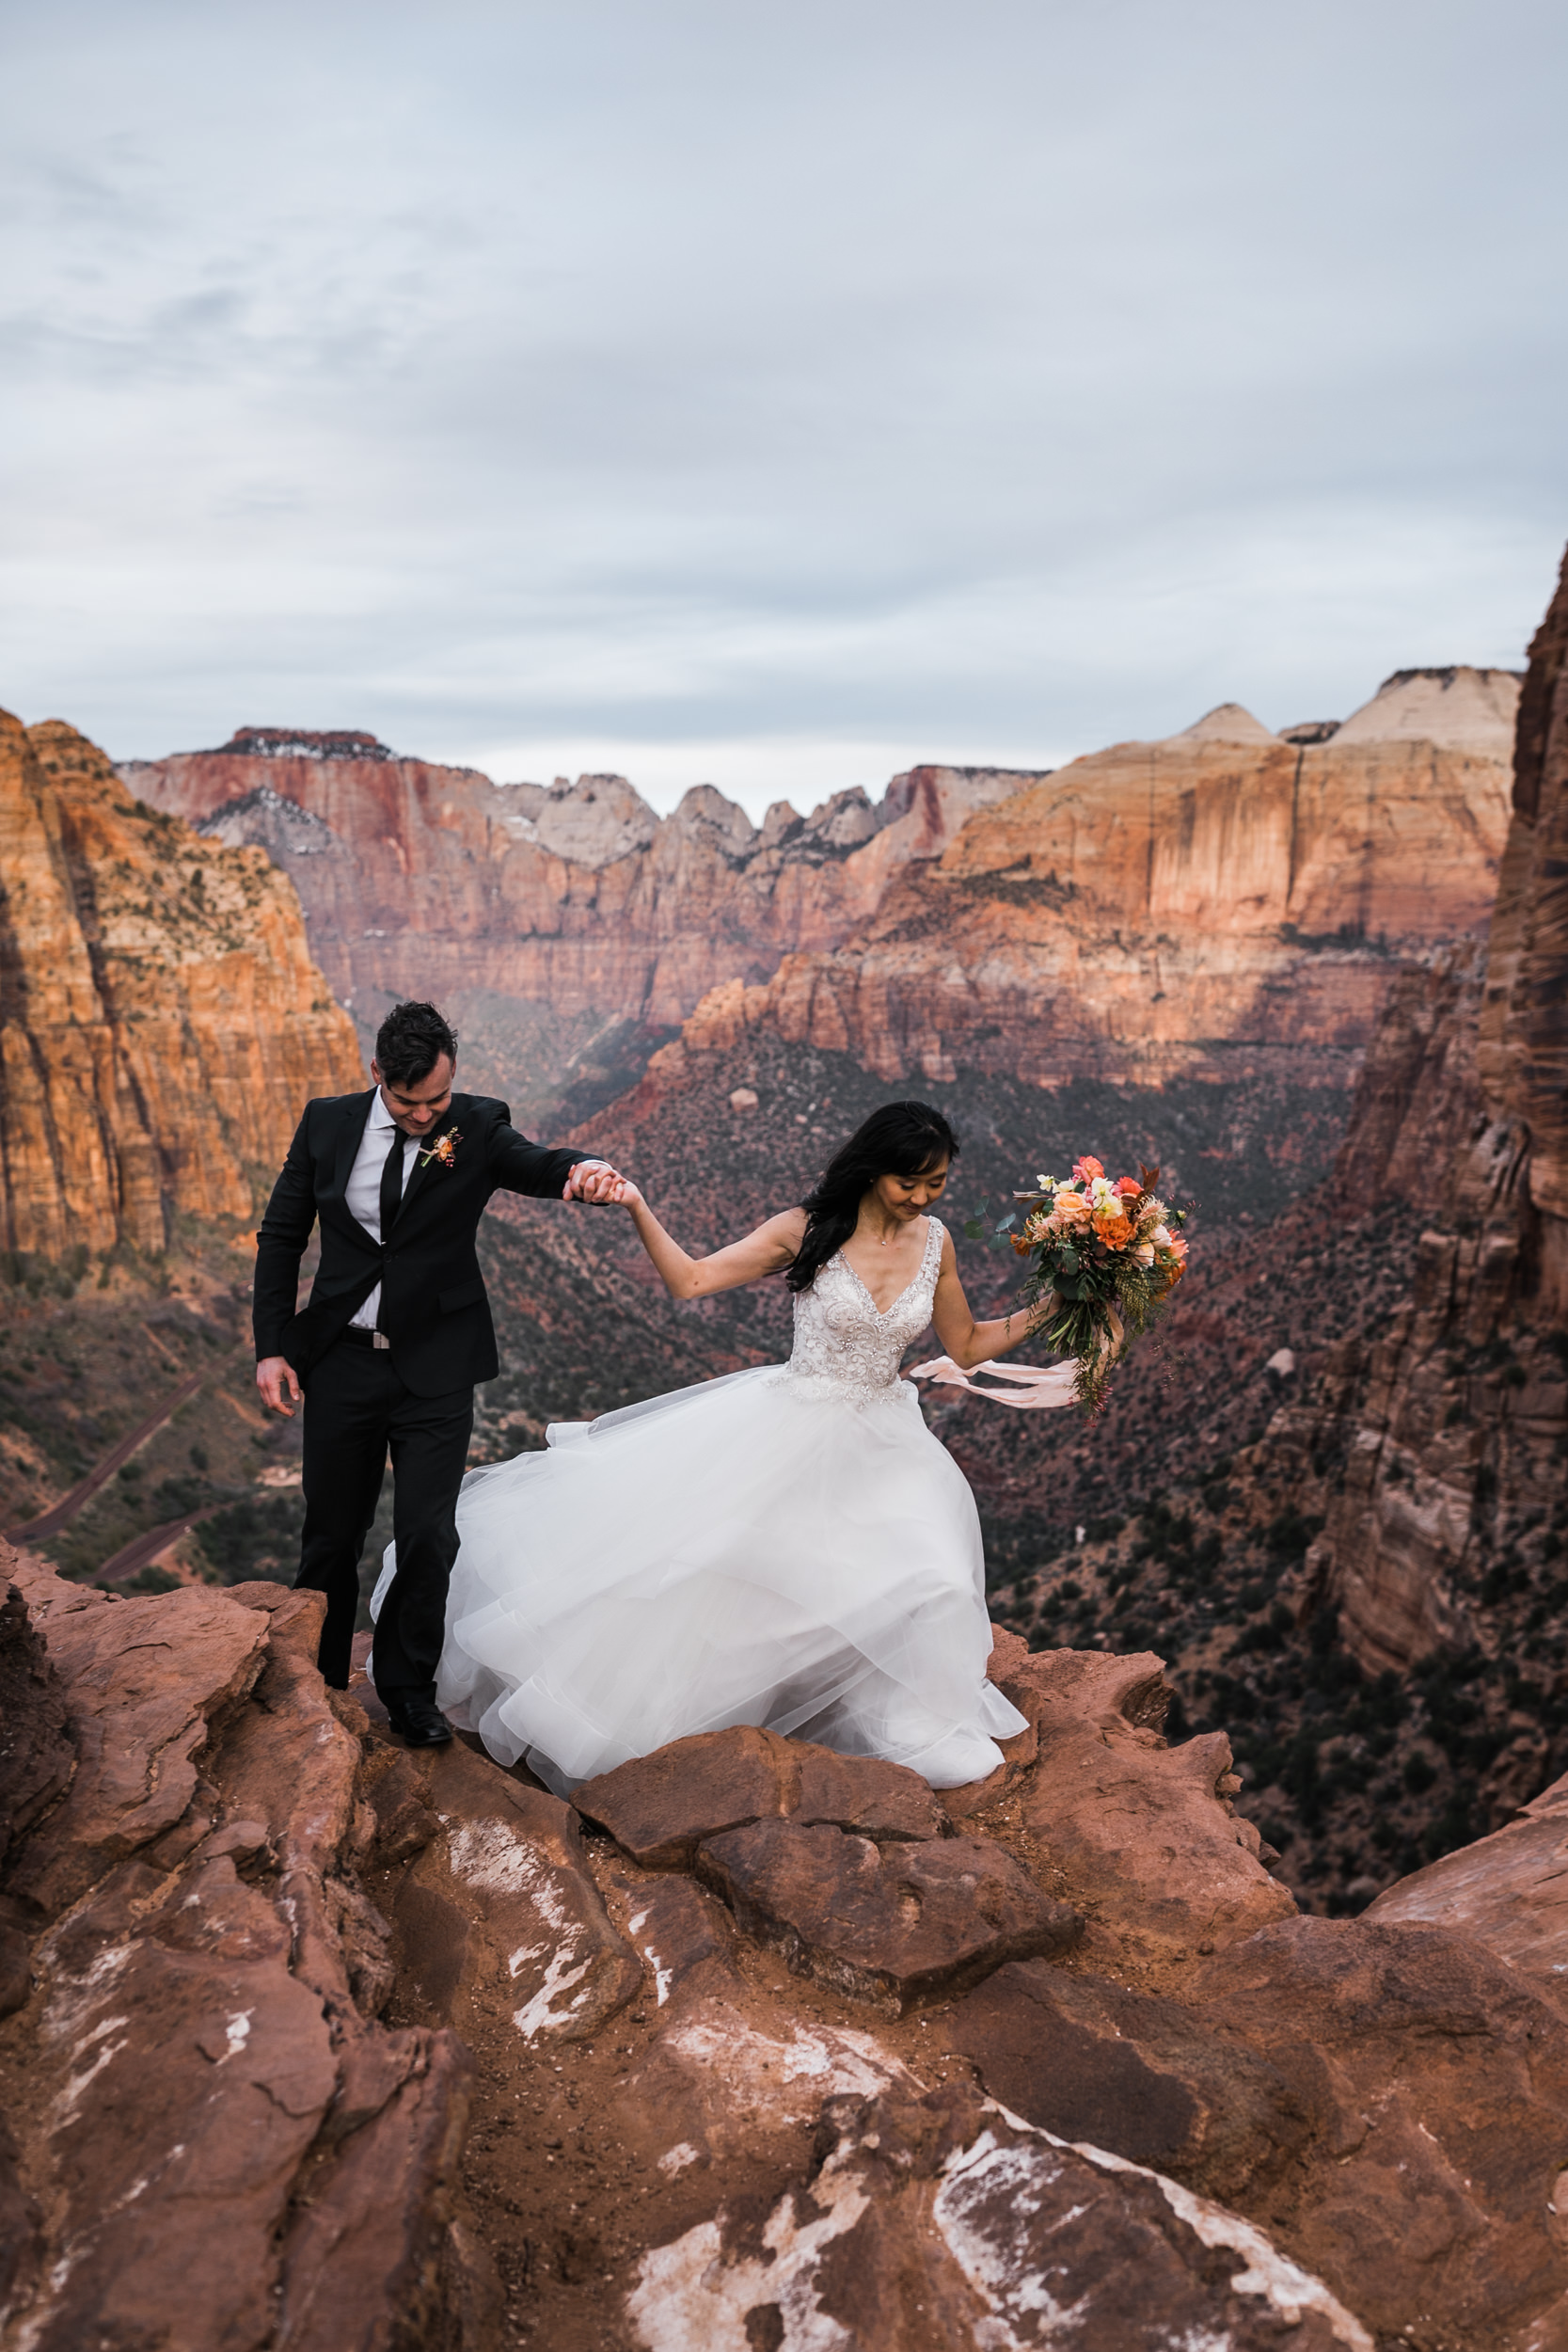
<point>411,1040</point>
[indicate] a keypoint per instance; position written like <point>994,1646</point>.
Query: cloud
<point>714,384</point>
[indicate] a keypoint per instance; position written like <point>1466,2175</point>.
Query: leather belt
<point>361,1338</point>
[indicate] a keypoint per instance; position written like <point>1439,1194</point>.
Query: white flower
<point>1046,1183</point>
<point>1161,1237</point>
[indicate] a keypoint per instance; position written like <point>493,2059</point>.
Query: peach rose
<point>1071,1208</point>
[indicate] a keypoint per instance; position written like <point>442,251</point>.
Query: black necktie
<point>392,1185</point>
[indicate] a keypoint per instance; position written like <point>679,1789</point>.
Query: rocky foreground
<point>309,2040</point>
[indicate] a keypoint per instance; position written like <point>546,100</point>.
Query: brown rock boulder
<point>1146,1834</point>
<point>890,1925</point>
<point>659,1808</point>
<point>499,1913</point>
<point>1508,1890</point>
<point>676,1927</point>
<point>937,2219</point>
<point>209,2121</point>
<point>1092,2060</point>
<point>1437,2081</point>
<point>145,1679</point>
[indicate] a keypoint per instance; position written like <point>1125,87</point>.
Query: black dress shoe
<point>420,1723</point>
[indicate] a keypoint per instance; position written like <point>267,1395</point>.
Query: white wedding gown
<point>787,1546</point>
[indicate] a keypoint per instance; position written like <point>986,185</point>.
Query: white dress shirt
<point>362,1193</point>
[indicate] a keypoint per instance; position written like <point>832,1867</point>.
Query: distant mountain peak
<point>305,743</point>
<point>1227,722</point>
<point>1459,705</point>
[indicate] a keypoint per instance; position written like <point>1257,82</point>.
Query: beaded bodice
<point>843,1345</point>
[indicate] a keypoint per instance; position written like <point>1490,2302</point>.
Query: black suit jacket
<point>432,1306</point>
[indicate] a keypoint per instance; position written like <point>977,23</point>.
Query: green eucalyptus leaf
<point>974,1229</point>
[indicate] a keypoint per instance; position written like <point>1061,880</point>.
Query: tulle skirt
<point>756,1550</point>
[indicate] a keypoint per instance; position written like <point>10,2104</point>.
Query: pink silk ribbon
<point>1042,1386</point>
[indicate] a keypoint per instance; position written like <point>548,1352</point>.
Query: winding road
<point>61,1513</point>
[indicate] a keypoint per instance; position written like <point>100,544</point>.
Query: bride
<point>787,1546</point>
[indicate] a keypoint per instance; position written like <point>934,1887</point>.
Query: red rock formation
<point>418,877</point>
<point>212,2138</point>
<point>1523,1046</point>
<point>1452,1423</point>
<point>161,1020</point>
<point>1507,1890</point>
<point>236,2102</point>
<point>1166,908</point>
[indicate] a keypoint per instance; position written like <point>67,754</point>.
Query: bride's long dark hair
<point>900,1139</point>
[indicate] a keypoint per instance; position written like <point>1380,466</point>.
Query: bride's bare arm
<point>967,1342</point>
<point>768,1250</point>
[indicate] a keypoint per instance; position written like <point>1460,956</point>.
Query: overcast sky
<point>772,395</point>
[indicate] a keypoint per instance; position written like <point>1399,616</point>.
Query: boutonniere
<point>444,1149</point>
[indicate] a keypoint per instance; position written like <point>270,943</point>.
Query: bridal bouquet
<point>1107,1257</point>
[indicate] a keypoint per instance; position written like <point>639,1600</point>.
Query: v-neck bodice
<point>844,1340</point>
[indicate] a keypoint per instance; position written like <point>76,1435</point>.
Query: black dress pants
<point>356,1409</point>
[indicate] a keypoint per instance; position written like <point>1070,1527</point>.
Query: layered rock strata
<point>212,2138</point>
<point>1219,901</point>
<point>161,1017</point>
<point>254,1926</point>
<point>418,878</point>
<point>1453,1425</point>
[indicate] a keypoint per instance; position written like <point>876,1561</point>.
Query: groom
<point>396,1332</point>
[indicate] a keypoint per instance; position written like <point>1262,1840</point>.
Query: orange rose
<point>1086,1169</point>
<point>1114,1227</point>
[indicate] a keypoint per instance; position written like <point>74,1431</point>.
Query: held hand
<point>277,1379</point>
<point>625,1194</point>
<point>594,1181</point>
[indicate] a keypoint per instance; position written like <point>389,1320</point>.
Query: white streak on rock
<point>688,2295</point>
<point>540,2015</point>
<point>832,2060</point>
<point>1291,2291</point>
<point>978,2180</point>
<point>236,2033</point>
<point>63,2107</point>
<point>487,1854</point>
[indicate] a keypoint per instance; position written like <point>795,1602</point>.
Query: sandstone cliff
<point>416,878</point>
<point>1189,907</point>
<point>760,2045</point>
<point>1453,1424</point>
<point>161,1018</point>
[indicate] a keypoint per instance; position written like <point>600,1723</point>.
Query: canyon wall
<point>161,1018</point>
<point>1449,1428</point>
<point>421,879</point>
<point>1223,898</point>
<point>1221,902</point>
